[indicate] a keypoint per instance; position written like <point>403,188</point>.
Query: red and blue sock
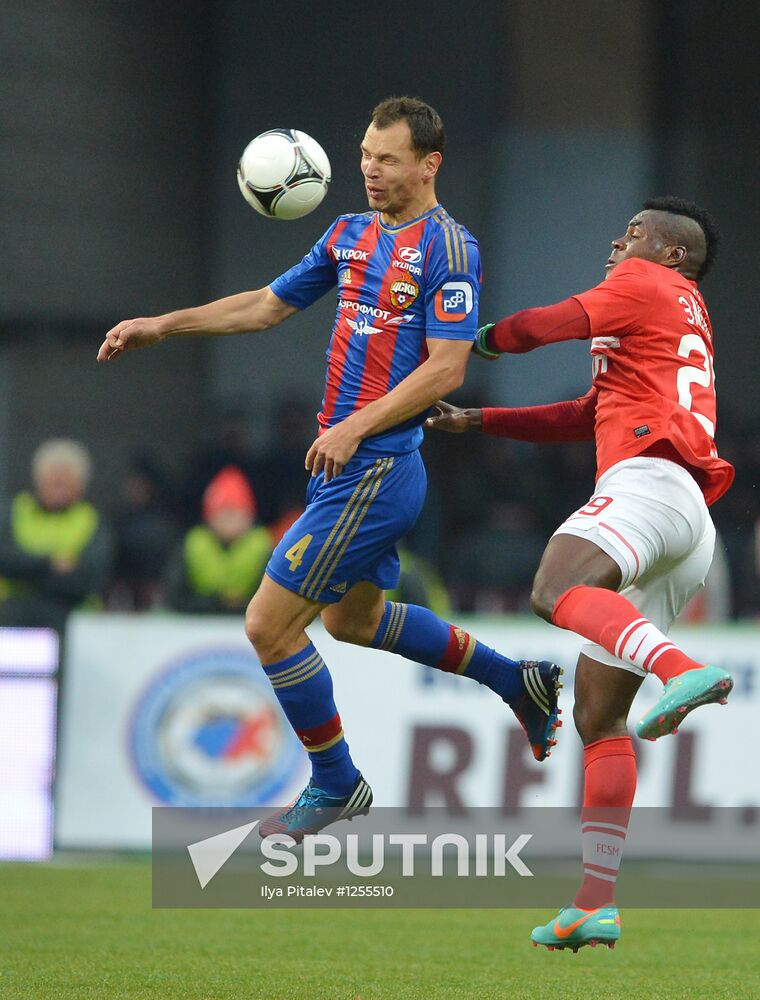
<point>304,689</point>
<point>419,635</point>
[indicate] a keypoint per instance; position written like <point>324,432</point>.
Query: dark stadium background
<point>123,124</point>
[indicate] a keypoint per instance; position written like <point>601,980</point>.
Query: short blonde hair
<point>62,451</point>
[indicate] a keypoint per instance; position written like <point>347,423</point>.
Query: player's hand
<point>332,451</point>
<point>480,345</point>
<point>453,419</point>
<point>130,334</point>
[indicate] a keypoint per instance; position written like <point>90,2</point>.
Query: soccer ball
<point>283,173</point>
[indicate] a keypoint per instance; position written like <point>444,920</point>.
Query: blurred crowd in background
<point>138,212</point>
<point>197,541</point>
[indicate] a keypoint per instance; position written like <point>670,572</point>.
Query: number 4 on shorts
<point>296,551</point>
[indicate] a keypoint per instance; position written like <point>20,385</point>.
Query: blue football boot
<point>313,810</point>
<point>536,708</point>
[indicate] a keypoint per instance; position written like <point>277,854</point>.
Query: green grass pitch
<point>87,930</point>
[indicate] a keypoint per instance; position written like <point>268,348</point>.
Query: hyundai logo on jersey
<point>410,254</point>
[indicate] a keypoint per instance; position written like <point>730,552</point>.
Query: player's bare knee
<point>258,628</point>
<point>593,726</point>
<point>253,625</point>
<point>590,724</point>
<point>542,601</point>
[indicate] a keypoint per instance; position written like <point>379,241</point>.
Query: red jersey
<point>652,358</point>
<point>652,364</point>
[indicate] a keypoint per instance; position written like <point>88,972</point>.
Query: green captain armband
<point>480,347</point>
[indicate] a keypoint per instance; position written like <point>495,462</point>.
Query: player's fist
<point>130,334</point>
<point>453,419</point>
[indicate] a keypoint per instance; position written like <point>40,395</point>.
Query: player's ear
<point>676,255</point>
<point>432,163</point>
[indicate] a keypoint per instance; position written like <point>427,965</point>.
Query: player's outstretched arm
<point>570,420</point>
<point>243,313</point>
<point>525,331</point>
<point>454,419</point>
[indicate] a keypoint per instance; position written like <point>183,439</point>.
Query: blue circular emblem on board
<point>210,732</point>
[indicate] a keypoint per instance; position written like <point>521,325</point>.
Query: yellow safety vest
<point>213,568</point>
<point>62,534</point>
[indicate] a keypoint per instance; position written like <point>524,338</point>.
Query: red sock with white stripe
<point>609,619</point>
<point>609,788</point>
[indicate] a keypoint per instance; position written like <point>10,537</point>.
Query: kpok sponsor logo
<point>350,253</point>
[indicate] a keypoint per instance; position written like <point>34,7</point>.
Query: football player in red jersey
<point>621,568</point>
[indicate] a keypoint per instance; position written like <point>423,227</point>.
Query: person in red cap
<point>220,563</point>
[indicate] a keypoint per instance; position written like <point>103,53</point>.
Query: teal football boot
<point>680,696</point>
<point>574,928</point>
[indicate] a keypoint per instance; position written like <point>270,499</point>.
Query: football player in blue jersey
<point>408,281</point>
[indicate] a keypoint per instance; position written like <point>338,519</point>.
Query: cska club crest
<point>404,291</point>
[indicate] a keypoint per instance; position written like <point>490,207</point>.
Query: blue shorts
<point>350,527</point>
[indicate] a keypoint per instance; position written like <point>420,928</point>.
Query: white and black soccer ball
<point>283,173</point>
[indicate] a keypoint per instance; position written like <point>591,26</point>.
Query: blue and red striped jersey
<point>397,286</point>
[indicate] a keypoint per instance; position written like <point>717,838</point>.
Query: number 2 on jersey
<point>688,375</point>
<point>296,551</point>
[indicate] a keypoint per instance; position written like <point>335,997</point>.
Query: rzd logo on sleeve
<point>453,301</point>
